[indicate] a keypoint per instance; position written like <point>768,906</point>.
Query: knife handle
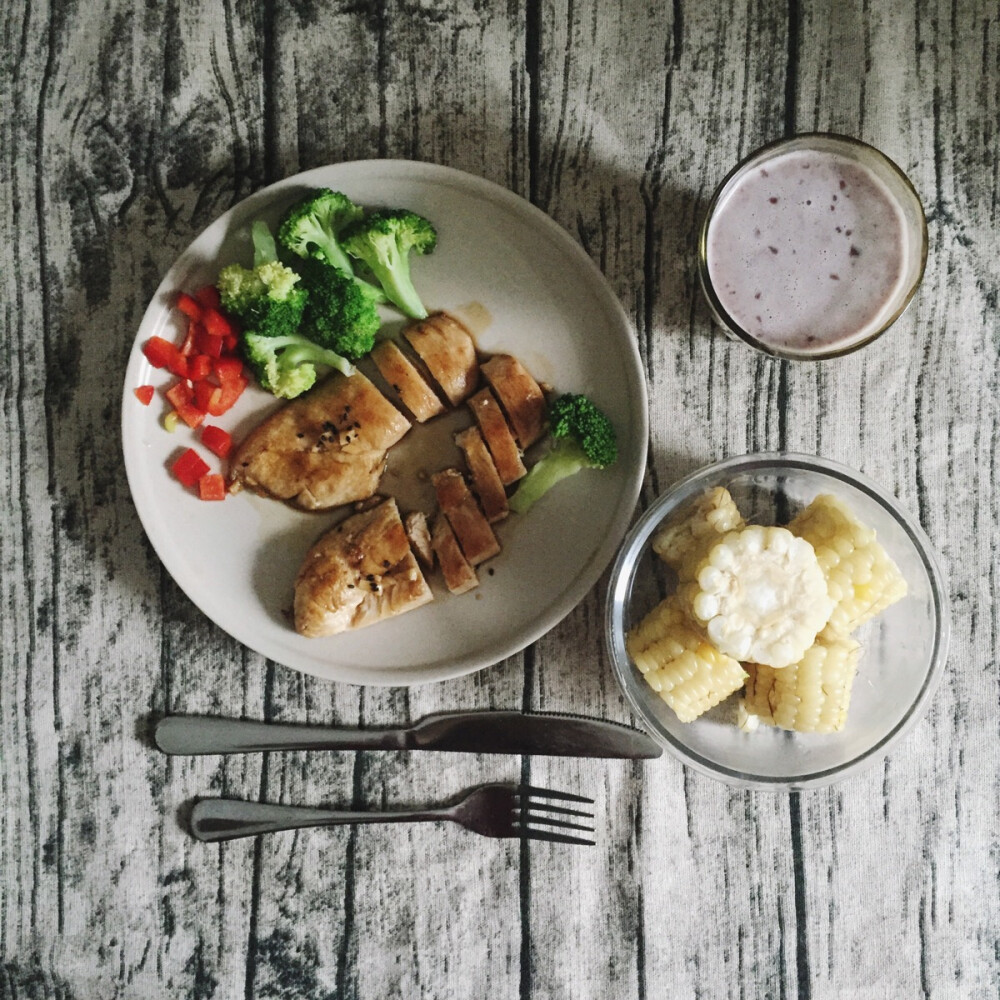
<point>201,734</point>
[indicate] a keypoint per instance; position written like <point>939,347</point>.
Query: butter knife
<point>544,733</point>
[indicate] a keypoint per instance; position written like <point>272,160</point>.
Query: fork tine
<point>527,818</point>
<point>555,838</point>
<point>548,793</point>
<point>561,810</point>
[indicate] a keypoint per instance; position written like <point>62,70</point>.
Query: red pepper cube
<point>187,347</point>
<point>229,343</point>
<point>216,325</point>
<point>179,394</point>
<point>212,486</point>
<point>190,414</point>
<point>190,467</point>
<point>216,440</point>
<point>144,393</point>
<point>229,392</point>
<point>160,353</point>
<point>205,343</point>
<point>227,369</point>
<point>208,296</point>
<point>189,306</point>
<point>199,367</point>
<point>206,396</point>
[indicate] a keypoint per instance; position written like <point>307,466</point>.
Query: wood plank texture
<point>124,130</point>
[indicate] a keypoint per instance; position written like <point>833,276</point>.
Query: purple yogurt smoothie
<point>808,252</point>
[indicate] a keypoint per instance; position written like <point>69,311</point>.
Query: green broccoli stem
<point>265,249</point>
<point>297,355</point>
<point>564,460</point>
<point>399,289</point>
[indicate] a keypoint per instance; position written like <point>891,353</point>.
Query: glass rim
<point>773,148</point>
<point>622,578</point>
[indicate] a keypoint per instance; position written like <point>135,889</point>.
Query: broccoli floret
<point>383,241</point>
<point>267,298</point>
<point>340,315</point>
<point>584,438</point>
<point>312,226</point>
<point>286,365</point>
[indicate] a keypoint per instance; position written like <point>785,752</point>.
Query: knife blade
<point>544,733</point>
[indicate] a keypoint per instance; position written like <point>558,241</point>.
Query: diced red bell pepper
<point>190,414</point>
<point>227,369</point>
<point>205,343</point>
<point>187,347</point>
<point>216,440</point>
<point>190,467</point>
<point>229,392</point>
<point>199,367</point>
<point>189,306</point>
<point>212,486</point>
<point>208,296</point>
<point>161,353</point>
<point>216,325</point>
<point>206,395</point>
<point>179,394</point>
<point>144,393</point>
<point>229,343</point>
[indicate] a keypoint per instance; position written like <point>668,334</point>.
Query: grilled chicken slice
<point>420,538</point>
<point>323,449</point>
<point>471,528</point>
<point>459,576</point>
<point>413,391</point>
<point>485,478</point>
<point>359,573</point>
<point>496,433</point>
<point>448,350</point>
<point>520,396</point>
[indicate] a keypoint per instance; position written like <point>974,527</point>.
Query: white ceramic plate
<point>547,303</point>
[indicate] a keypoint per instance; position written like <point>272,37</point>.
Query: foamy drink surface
<point>807,252</point>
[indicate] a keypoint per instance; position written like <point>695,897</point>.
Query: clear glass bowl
<point>904,648</point>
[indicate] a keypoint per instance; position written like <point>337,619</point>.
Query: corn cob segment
<point>761,594</point>
<point>861,577</point>
<point>679,663</point>
<point>811,696</point>
<point>683,541</point>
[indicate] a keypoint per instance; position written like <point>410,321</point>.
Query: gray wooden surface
<point>126,129</point>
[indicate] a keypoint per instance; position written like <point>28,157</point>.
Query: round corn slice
<point>762,596</point>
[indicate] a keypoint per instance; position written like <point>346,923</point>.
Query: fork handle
<point>227,819</point>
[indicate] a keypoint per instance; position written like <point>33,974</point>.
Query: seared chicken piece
<point>496,433</point>
<point>420,538</point>
<point>413,391</point>
<point>448,350</point>
<point>359,573</point>
<point>485,478</point>
<point>520,396</point>
<point>323,449</point>
<point>471,528</point>
<point>459,576</point>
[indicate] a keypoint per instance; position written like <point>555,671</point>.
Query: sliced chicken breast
<point>471,528</point>
<point>459,576</point>
<point>496,433</point>
<point>485,478</point>
<point>447,349</point>
<point>413,391</point>
<point>360,572</point>
<point>323,449</point>
<point>520,396</point>
<point>419,535</point>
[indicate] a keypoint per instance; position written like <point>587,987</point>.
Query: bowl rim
<point>622,577</point>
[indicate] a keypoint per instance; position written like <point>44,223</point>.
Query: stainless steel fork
<point>496,810</point>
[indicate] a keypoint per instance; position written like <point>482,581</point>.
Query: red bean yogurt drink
<point>813,247</point>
